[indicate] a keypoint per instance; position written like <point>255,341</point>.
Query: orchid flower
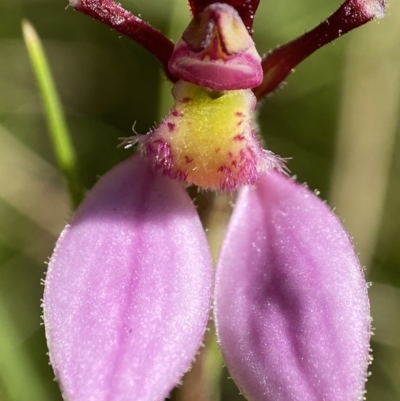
<point>129,286</point>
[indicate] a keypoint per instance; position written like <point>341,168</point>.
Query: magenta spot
<point>176,113</point>
<point>228,184</point>
<point>254,136</point>
<point>160,152</point>
<point>228,181</point>
<point>188,159</point>
<point>248,166</point>
<point>239,137</point>
<point>171,126</point>
<point>247,153</point>
<point>225,170</point>
<point>178,175</point>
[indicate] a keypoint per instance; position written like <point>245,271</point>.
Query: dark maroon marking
<point>178,175</point>
<point>239,137</point>
<point>177,113</point>
<point>171,126</point>
<point>161,153</point>
<point>188,159</point>
<point>186,99</point>
<point>225,169</point>
<point>247,154</point>
<point>246,9</point>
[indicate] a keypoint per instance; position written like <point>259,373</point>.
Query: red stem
<point>113,15</point>
<point>279,63</point>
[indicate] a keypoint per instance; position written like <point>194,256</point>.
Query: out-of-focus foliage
<point>337,118</point>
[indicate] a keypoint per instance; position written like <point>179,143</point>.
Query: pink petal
<point>291,306</point>
<point>128,289</point>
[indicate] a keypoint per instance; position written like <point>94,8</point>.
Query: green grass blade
<point>60,136</point>
<point>19,375</point>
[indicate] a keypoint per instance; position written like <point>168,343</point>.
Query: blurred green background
<point>337,118</point>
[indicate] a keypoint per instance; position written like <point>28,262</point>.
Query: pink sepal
<point>128,288</point>
<point>291,304</point>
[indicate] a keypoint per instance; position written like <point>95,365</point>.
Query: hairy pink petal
<point>291,306</point>
<point>128,289</point>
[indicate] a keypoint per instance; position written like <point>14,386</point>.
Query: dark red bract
<point>245,8</point>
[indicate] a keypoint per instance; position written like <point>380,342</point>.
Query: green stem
<point>58,130</point>
<point>201,383</point>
